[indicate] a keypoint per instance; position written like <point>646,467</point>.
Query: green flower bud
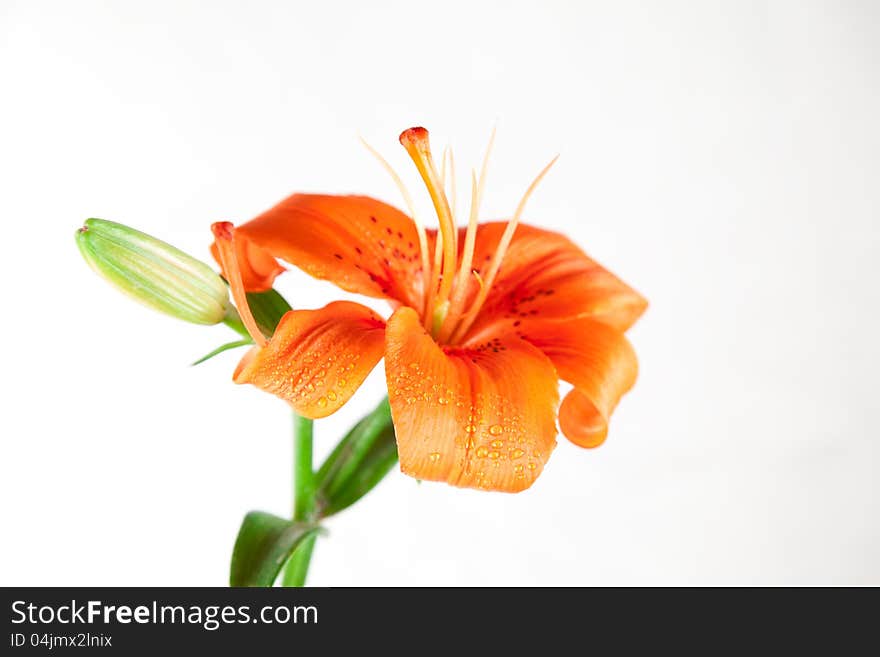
<point>153,272</point>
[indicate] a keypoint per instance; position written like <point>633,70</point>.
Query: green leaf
<point>377,463</point>
<point>359,462</point>
<point>267,308</point>
<point>297,568</point>
<point>222,348</point>
<point>264,544</point>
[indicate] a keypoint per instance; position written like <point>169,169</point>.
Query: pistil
<point>415,141</point>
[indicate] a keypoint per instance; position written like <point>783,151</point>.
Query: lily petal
<point>360,244</point>
<point>544,274</point>
<point>257,267</point>
<point>317,358</point>
<point>598,360</point>
<point>477,416</point>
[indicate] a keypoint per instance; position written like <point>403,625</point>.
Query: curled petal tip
<point>222,230</point>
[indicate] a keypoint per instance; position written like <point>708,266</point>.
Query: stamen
<point>470,237</point>
<point>479,279</point>
<point>224,233</point>
<point>495,265</point>
<point>460,289</point>
<point>420,227</point>
<point>415,141</point>
<point>435,281</point>
<point>453,194</point>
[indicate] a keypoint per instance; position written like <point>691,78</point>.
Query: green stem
<point>304,477</point>
<point>297,567</point>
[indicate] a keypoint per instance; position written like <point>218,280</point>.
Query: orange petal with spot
<point>258,267</point>
<point>598,360</point>
<point>471,416</point>
<point>544,274</point>
<point>317,358</point>
<point>360,244</point>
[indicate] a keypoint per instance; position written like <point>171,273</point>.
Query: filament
<point>420,227</point>
<point>495,264</point>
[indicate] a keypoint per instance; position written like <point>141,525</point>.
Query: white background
<point>720,157</point>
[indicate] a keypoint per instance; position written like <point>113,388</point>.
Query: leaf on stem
<point>222,348</point>
<point>358,463</point>
<point>264,544</point>
<point>267,308</point>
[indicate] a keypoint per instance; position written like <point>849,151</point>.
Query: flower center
<point>451,301</point>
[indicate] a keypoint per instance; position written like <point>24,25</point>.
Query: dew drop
<point>322,402</point>
<point>516,453</point>
<point>442,401</point>
<point>496,429</point>
<point>341,383</point>
<point>434,456</point>
<point>518,468</point>
<point>470,428</point>
<point>494,455</point>
<point>497,444</point>
<point>481,452</point>
<point>532,465</point>
<point>331,396</point>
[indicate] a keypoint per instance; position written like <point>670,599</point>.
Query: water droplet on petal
<point>496,429</point>
<point>442,401</point>
<point>497,444</point>
<point>532,465</point>
<point>494,455</point>
<point>481,452</point>
<point>322,402</point>
<point>470,428</point>
<point>331,396</point>
<point>516,453</point>
<point>434,456</point>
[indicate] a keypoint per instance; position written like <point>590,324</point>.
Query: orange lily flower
<point>486,320</point>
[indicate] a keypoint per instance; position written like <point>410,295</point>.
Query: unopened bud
<point>153,272</point>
